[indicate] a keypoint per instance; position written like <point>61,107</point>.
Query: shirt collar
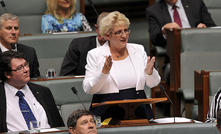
<point>12,90</point>
<point>178,4</point>
<point>5,49</point>
<point>97,43</point>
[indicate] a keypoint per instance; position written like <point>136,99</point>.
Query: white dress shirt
<point>5,49</point>
<point>14,118</point>
<point>182,13</point>
<point>97,43</point>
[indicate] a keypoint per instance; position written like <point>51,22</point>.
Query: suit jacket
<point>75,59</point>
<point>158,15</point>
<point>31,57</point>
<point>97,83</point>
<point>43,96</point>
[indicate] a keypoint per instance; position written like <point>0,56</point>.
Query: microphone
<point>163,89</point>
<point>76,92</point>
<point>13,45</point>
<point>91,2</point>
<point>3,5</point>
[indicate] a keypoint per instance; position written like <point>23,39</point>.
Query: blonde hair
<point>52,7</point>
<point>110,21</point>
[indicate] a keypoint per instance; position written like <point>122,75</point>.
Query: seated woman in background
<point>60,17</point>
<point>119,70</point>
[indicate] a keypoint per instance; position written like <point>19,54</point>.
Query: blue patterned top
<point>77,22</point>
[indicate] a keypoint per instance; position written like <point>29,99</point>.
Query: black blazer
<point>158,15</point>
<point>31,57</point>
<point>43,96</point>
<point>75,59</point>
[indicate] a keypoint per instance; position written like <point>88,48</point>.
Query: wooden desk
<point>201,90</point>
<point>56,78</point>
<point>173,51</point>
<point>130,105</point>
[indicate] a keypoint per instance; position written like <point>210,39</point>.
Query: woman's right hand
<point>107,65</point>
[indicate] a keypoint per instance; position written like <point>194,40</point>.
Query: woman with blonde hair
<point>60,16</point>
<point>119,70</point>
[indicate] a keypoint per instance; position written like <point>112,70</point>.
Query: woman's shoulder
<point>135,46</point>
<point>78,15</point>
<point>48,16</point>
<point>100,50</point>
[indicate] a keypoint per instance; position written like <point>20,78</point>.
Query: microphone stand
<point>76,92</point>
<point>163,89</point>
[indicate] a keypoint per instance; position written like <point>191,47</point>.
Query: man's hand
<point>169,26</point>
<point>201,25</point>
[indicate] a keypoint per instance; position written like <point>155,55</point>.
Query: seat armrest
<point>188,94</point>
<point>161,50</point>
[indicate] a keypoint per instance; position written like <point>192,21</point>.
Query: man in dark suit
<point>75,59</point>
<point>14,72</point>
<point>9,34</point>
<point>193,13</point>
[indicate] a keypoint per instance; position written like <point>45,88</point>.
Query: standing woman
<point>119,70</point>
<point>60,17</point>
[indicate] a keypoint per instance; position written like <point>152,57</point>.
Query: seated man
<point>81,122</point>
<point>9,34</point>
<point>75,59</point>
<point>218,125</point>
<point>214,107</point>
<point>168,14</point>
<point>22,101</point>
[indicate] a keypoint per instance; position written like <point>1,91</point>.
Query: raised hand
<point>107,65</point>
<point>150,65</point>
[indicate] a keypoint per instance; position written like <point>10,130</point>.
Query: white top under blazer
<point>95,82</point>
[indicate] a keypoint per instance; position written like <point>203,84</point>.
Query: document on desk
<point>171,120</point>
<point>49,130</point>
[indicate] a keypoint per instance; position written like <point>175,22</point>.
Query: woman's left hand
<point>150,65</point>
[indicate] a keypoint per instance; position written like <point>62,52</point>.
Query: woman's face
<point>119,36</point>
<point>64,3</point>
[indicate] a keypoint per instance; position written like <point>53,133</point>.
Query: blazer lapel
<point>92,43</point>
<point>106,52</point>
<point>188,12</point>
<point>165,13</point>
<point>37,94</point>
<point>3,107</point>
<point>134,57</point>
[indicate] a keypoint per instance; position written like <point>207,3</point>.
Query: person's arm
<point>54,117</point>
<point>94,78</point>
<point>206,17</point>
<point>71,60</point>
<point>85,24</point>
<point>151,75</point>
<point>155,30</point>
<point>212,113</point>
<point>46,25</point>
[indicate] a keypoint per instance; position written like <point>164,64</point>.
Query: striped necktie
<point>176,16</point>
<point>25,109</point>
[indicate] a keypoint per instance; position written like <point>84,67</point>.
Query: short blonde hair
<point>52,7</point>
<point>113,19</point>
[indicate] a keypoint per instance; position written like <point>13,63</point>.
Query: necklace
<point>119,56</point>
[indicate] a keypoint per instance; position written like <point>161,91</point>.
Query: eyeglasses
<point>120,33</point>
<point>21,67</point>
